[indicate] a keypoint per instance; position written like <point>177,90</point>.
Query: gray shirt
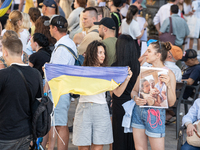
<point>180,28</point>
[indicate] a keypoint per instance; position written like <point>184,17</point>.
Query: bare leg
<point>45,140</point>
<point>52,140</point>
<point>191,43</point>
<point>63,131</point>
<point>97,147</point>
<point>198,44</point>
<point>140,139</point>
<point>64,135</point>
<point>83,147</point>
<point>154,143</point>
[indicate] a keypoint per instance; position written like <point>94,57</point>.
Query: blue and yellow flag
<point>5,6</point>
<point>83,80</point>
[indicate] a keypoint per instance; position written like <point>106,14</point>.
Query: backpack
<point>78,60</point>
<point>40,111</point>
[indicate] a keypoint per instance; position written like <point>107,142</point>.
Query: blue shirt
<point>179,26</point>
<point>193,113</point>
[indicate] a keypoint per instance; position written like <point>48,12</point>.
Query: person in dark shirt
<point>192,73</point>
<point>40,44</point>
<point>16,108</point>
<point>125,56</point>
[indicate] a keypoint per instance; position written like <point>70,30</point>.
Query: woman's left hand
<point>165,78</point>
<point>129,74</point>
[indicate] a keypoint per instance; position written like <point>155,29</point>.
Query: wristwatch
<point>145,29</point>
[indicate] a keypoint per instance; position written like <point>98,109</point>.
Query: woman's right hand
<point>190,129</point>
<point>140,101</point>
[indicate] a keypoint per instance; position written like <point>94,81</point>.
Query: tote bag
<point>194,26</point>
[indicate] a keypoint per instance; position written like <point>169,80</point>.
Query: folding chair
<point>180,88</point>
<point>194,96</point>
<point>181,137</point>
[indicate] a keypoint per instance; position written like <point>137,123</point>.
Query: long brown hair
<point>188,2</point>
<point>12,22</point>
<point>132,10</point>
<point>41,28</point>
<point>91,54</point>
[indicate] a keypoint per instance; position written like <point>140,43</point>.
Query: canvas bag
<point>195,139</point>
<point>168,36</point>
<point>194,26</point>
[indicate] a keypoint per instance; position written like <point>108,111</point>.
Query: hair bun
<point>168,46</point>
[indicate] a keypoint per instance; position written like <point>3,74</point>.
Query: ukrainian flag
<point>5,6</point>
<point>83,80</point>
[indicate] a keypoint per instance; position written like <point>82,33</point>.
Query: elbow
<point>171,103</point>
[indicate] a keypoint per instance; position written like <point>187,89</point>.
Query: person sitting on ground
<point>188,120</point>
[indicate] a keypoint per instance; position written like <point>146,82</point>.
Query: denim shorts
<point>150,119</point>
<point>60,113</point>
<point>92,125</point>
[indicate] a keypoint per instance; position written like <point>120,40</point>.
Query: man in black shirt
<point>15,106</point>
<point>192,73</point>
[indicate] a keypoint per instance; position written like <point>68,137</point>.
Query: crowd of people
<point>107,34</point>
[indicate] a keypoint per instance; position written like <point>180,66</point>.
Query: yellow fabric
<point>79,85</point>
<point>32,30</point>
<point>28,5</point>
<point>4,10</point>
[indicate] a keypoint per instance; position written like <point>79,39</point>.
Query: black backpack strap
<point>25,82</point>
<point>70,50</point>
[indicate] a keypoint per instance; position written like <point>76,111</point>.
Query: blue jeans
<point>144,118</point>
<point>186,146</point>
<point>18,144</point>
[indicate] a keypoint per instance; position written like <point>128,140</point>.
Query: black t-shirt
<point>193,73</point>
<point>3,20</point>
<point>39,58</point>
<point>117,18</point>
<point>15,110</point>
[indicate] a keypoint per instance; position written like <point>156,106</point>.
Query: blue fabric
<point>28,49</point>
<point>118,74</point>
<point>193,113</point>
<point>186,146</point>
<point>151,41</point>
<point>139,121</point>
<point>126,122</point>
